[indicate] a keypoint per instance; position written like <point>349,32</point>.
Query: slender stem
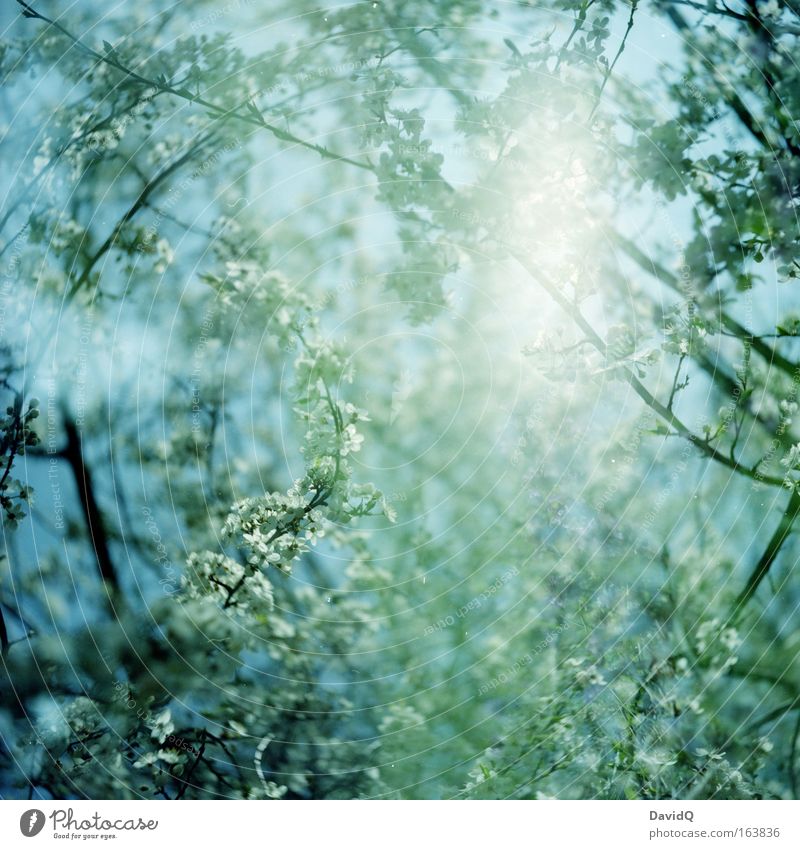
<point>675,381</point>
<point>620,51</point>
<point>736,104</point>
<point>765,351</point>
<point>71,142</point>
<point>280,530</point>
<point>138,204</point>
<point>638,387</point>
<point>252,117</point>
<point>774,546</point>
<point>776,713</point>
<point>580,20</point>
<point>186,781</point>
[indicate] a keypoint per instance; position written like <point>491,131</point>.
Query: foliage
<point>421,397</point>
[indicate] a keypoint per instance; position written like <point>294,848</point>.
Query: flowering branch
<point>252,116</point>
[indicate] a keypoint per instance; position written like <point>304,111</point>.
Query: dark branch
<point>73,454</point>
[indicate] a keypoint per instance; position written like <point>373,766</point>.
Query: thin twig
<point>610,70</point>
<point>252,117</point>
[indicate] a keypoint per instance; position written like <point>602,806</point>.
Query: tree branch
<point>73,454</point>
<point>770,552</point>
<point>252,117</point>
<point>638,387</point>
<point>3,635</point>
<point>620,51</point>
<point>765,351</point>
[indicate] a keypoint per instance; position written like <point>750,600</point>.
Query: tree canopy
<point>401,399</point>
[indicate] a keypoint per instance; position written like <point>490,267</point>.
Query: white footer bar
<point>418,825</point>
